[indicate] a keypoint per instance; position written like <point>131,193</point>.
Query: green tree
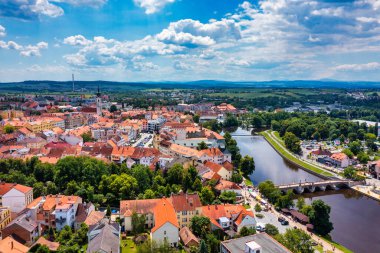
<point>228,197</point>
<point>8,129</point>
<point>271,229</point>
<point>355,147</point>
<point>258,208</point>
<point>138,223</point>
<point>196,118</point>
<point>245,231</point>
<point>197,186</point>
<point>237,178</point>
<point>247,165</point>
<point>349,172</point>
<point>286,200</point>
<point>39,190</point>
<point>202,145</point>
<point>149,194</point>
<point>113,108</point>
<point>348,152</point>
<point>292,142</point>
<point>200,226</point>
<point>87,137</point>
<point>231,121</point>
<point>363,157</point>
<point>300,203</point>
<point>108,212</point>
<point>207,195</point>
<point>203,247</point>
<point>320,217</point>
<point>270,191</point>
<point>296,240</point>
<point>175,174</point>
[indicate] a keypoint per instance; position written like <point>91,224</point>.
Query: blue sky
<point>157,40</point>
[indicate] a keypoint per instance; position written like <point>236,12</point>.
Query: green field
<point>281,149</point>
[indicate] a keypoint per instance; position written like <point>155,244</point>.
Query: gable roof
<point>10,245</point>
<point>53,246</point>
<point>185,201</point>
<point>187,236</point>
<point>6,187</point>
<point>164,213</point>
<point>106,240</point>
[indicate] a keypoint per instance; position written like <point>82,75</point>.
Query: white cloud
<point>359,67</point>
<point>152,6</point>
<point>2,31</point>
<point>77,40</point>
<point>179,65</point>
<point>29,50</point>
<point>33,9</point>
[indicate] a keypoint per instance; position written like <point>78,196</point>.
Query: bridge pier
<point>299,189</point>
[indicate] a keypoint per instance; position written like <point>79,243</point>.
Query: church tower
<point>98,103</point>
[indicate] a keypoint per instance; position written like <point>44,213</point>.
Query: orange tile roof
<point>226,185</point>
<point>211,152</point>
<point>10,245</point>
<point>187,236</point>
<point>163,213</point>
<point>6,187</point>
<point>94,217</point>
<point>185,151</point>
<point>339,156</point>
<point>141,206</point>
<point>214,212</point>
<point>185,201</point>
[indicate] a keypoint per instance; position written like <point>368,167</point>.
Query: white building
<point>15,196</point>
<point>64,215</point>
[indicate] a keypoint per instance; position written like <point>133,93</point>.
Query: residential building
<point>15,196</point>
<point>5,217</point>
<point>229,217</point>
<point>54,210</point>
<point>257,243</point>
<point>160,217</point>
<point>188,238</point>
<point>186,206</point>
<point>104,238</point>
<point>10,245</point>
<point>223,172</point>
<point>22,228</point>
<point>340,160</point>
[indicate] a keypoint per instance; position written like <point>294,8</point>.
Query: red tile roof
<point>185,201</point>
<point>164,213</point>
<point>6,187</point>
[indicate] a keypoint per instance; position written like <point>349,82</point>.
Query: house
<point>104,238</point>
<point>186,206</point>
<point>229,217</point>
<point>10,245</point>
<point>15,196</point>
<point>5,217</point>
<point>257,243</point>
<point>188,238</point>
<point>223,172</point>
<point>340,160</point>
<point>225,185</point>
<point>83,211</point>
<point>52,246</point>
<point>165,224</point>
<point>23,229</point>
<point>214,155</point>
<point>375,169</point>
<point>54,211</point>
<point>160,217</point>
<point>93,218</point>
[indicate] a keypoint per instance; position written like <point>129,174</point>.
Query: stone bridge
<point>318,186</point>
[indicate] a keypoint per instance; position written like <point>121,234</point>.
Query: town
<point>88,174</point>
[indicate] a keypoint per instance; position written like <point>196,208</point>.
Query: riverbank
<point>281,150</point>
<point>367,191</point>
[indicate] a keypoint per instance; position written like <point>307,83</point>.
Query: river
<point>356,218</point>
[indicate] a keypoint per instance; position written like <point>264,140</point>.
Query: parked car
<point>284,222</point>
<point>281,219</point>
<point>260,227</point>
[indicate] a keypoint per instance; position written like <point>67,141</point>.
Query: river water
<point>356,218</point>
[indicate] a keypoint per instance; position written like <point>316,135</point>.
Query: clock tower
<point>98,103</point>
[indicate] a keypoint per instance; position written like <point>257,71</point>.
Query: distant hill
<point>60,86</point>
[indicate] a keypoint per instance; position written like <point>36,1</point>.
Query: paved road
<point>272,218</point>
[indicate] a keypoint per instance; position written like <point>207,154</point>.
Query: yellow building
<point>9,114</point>
<point>5,217</point>
<point>39,125</point>
<point>186,206</point>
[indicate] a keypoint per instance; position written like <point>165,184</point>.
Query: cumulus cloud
<point>27,51</point>
<point>299,38</point>
<point>2,31</point>
<point>152,6</point>
<point>359,67</point>
<point>33,9</point>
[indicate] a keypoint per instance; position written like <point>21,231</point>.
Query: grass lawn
<point>337,245</point>
<point>128,246</point>
<point>283,151</point>
<point>248,182</point>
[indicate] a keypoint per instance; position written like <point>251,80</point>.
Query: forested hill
<point>31,86</point>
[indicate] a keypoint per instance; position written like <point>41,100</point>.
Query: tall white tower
<point>72,76</point>
<point>98,103</point>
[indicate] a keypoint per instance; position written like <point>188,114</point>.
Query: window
<point>184,212</point>
<point>184,220</point>
<point>164,232</point>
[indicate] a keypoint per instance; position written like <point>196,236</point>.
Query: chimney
<point>12,244</point>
